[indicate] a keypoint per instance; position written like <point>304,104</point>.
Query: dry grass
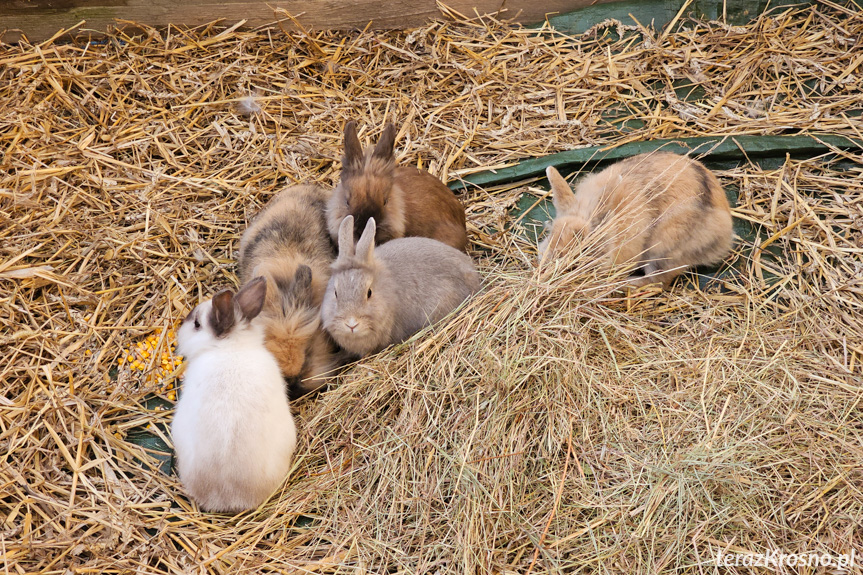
<point>550,427</point>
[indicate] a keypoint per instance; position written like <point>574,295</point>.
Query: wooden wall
<point>42,19</point>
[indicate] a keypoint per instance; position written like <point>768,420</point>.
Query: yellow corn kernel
<point>172,396</point>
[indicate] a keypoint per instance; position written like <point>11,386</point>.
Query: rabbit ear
<point>346,237</point>
<point>353,158</point>
<point>222,314</point>
<point>303,277</point>
<point>384,147</point>
<point>300,291</point>
<point>250,299</point>
<point>366,245</point>
<point>563,195</point>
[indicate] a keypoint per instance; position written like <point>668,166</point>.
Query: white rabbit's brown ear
<point>366,244</point>
<point>386,145</point>
<point>346,238</point>
<point>353,160</point>
<point>250,299</point>
<point>562,195</point>
<point>222,313</point>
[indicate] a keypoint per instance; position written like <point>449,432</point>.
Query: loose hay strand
<point>551,423</point>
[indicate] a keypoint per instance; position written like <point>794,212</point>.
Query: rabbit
<point>379,296</point>
<point>404,201</point>
<point>661,211</point>
<point>233,431</point>
<point>288,244</point>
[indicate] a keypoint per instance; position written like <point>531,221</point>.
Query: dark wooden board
<point>42,19</point>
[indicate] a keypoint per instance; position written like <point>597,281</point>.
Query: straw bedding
<point>551,426</point>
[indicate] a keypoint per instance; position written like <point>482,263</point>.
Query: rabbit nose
<point>352,323</point>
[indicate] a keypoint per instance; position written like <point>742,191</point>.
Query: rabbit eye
<point>386,200</point>
<point>370,292</point>
<point>197,324</point>
<point>335,294</point>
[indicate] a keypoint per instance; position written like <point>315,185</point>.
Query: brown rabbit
<point>404,201</point>
<point>287,243</point>
<point>661,211</point>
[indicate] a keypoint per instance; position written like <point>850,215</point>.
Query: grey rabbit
<point>380,296</point>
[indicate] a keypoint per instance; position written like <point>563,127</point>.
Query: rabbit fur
<point>662,212</point>
<point>384,295</point>
<point>404,201</point>
<point>288,244</point>
<point>233,431</point>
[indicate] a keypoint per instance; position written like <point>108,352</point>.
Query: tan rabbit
<point>662,211</point>
<point>288,244</point>
<point>380,296</point>
<point>404,201</point>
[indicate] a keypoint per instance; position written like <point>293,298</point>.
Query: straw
<point>552,424</point>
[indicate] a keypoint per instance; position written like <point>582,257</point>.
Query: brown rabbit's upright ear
<point>366,244</point>
<point>346,238</point>
<point>353,159</point>
<point>222,314</point>
<point>250,299</point>
<point>385,146</point>
<point>562,194</point>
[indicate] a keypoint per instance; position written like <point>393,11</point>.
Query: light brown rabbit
<point>661,211</point>
<point>288,244</point>
<point>404,201</point>
<point>380,296</point>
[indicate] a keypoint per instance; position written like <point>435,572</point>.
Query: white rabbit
<point>233,431</point>
<point>379,296</point>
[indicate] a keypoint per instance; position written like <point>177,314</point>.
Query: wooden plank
<point>41,19</point>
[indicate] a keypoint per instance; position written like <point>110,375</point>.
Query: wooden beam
<point>39,20</point>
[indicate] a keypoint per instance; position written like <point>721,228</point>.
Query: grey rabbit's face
<point>355,303</point>
<point>354,310</point>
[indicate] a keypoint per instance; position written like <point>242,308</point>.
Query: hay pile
<point>549,427</point>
